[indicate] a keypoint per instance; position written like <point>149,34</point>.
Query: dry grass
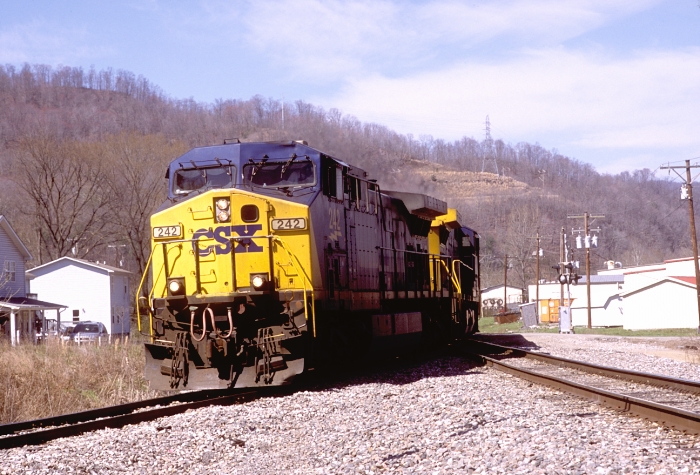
<point>44,380</point>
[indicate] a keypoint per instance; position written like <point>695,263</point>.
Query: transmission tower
<point>489,156</point>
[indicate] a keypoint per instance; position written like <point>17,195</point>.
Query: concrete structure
<point>21,315</point>
<point>92,292</point>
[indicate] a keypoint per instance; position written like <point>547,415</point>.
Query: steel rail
<point>667,415</point>
<point>116,416</point>
<point>628,375</point>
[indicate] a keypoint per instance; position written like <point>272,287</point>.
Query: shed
<point>668,302</point>
<point>92,292</point>
<point>491,296</point>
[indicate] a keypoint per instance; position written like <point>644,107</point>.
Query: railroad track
<point>43,430</point>
<point>671,401</point>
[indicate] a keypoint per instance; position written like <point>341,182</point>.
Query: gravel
<point>444,416</point>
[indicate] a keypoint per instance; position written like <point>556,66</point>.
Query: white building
<point>606,303</point>
<point>492,297</point>
<point>656,296</point>
<point>91,291</point>
<point>667,302</point>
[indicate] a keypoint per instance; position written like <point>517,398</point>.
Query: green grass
<point>487,325</point>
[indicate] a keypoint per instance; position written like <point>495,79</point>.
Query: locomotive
<point>273,258</point>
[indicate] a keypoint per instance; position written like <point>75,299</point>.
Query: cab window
<point>280,174</point>
<point>192,179</point>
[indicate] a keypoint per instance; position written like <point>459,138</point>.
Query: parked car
<point>66,332</point>
<point>88,332</point>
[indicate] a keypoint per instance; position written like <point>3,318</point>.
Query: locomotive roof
<point>238,153</point>
<point>234,152</point>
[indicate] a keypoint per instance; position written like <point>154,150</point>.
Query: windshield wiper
<point>225,167</point>
<point>257,166</point>
<point>287,164</point>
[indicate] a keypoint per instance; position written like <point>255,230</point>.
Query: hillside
<point>102,139</point>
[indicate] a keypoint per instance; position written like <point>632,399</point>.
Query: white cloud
<point>335,38</point>
<point>561,98</point>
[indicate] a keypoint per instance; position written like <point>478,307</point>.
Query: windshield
<point>188,180</point>
<point>280,174</point>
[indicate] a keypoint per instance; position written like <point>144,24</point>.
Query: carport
<point>17,317</point>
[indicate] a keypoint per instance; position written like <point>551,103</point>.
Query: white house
<point>93,292</point>
<point>20,312</point>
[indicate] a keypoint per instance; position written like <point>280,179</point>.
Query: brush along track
<point>43,430</point>
<point>671,401</point>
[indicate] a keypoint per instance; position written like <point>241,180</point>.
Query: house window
<point>76,315</point>
<point>9,271</point>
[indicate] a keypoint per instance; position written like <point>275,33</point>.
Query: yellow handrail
<point>454,280</point>
<point>300,270</point>
<point>138,292</point>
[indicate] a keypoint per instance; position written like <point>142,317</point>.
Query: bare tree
<point>66,196</point>
<point>137,166</point>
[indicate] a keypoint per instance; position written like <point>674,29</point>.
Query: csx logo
<point>222,235</point>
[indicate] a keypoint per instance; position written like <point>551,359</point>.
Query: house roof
<point>24,303</point>
<point>499,286</point>
<point>654,283</point>
<point>680,259</point>
<point>97,265</point>
<point>5,225</point>
<point>685,278</point>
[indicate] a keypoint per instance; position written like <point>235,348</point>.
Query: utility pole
<point>537,276</point>
<point>693,235</point>
<point>538,254</point>
<point>561,259</point>
<point>505,284</point>
<point>587,239</point>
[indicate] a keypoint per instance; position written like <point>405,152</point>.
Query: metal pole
<point>561,261</point>
<point>537,280</point>
<point>587,240</point>
<point>691,211</point>
<point>693,235</point>
<point>505,283</point>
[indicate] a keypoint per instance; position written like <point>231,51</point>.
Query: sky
<point>613,83</point>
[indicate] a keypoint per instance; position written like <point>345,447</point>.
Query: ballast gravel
<point>443,416</point>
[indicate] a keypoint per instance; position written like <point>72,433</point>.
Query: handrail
<point>138,291</point>
<point>301,271</point>
<point>454,280</point>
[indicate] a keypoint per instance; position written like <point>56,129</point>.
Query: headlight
<point>176,286</point>
<point>222,206</point>
<point>258,282</point>
<point>222,216</point>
